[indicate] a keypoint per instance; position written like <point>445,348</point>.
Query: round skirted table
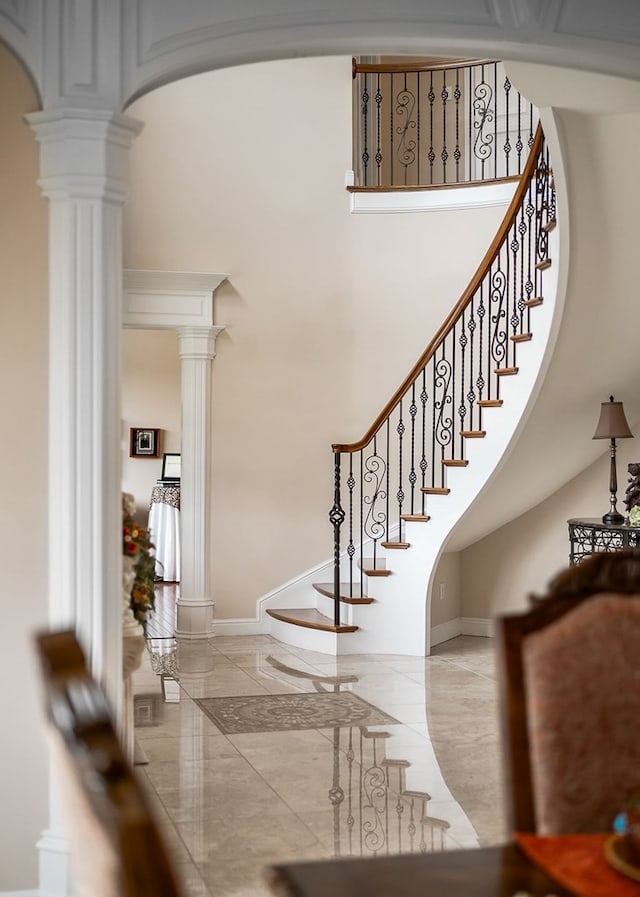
<point>164,526</point>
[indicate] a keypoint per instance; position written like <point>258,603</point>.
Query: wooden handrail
<point>452,317</point>
<point>392,68</point>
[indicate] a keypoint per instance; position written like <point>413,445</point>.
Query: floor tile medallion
<point>281,713</point>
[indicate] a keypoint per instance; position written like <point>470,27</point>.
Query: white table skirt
<point>164,524</point>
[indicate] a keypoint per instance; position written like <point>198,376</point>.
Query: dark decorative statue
<point>632,495</point>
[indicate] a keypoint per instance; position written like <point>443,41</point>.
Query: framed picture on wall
<point>171,467</point>
<point>144,442</point>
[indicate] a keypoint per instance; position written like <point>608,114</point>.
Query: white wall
<point>499,572</point>
<point>23,527</point>
<point>243,171</point>
<point>150,398</point>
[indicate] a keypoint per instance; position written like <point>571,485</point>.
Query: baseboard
<point>482,626</point>
<point>240,627</point>
<point>445,631</point>
<point>461,626</point>
<point>19,893</point>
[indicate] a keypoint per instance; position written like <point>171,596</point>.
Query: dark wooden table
<point>485,872</point>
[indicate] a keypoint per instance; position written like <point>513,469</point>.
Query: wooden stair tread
<point>473,434</point>
<point>380,568</point>
<point>415,518</point>
<point>455,462</point>
<point>533,303</point>
<point>435,490</point>
<point>506,372</point>
<point>543,265</point>
<point>421,795</point>
<point>309,618</point>
<point>549,226</point>
<point>490,403</point>
<point>326,589</point>
<point>401,545</point>
<point>521,337</point>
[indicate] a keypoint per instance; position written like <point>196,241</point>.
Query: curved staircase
<point>438,441</point>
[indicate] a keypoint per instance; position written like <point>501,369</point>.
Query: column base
<point>195,618</point>
<point>54,872</point>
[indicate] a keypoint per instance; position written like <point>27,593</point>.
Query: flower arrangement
<point>634,515</point>
<point>137,547</point>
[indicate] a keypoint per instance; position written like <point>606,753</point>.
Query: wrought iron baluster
<point>495,120</point>
<point>365,131</point>
<point>376,471</point>
<point>457,153</point>
<point>378,99</point>
<point>471,394</point>
<point>444,154</point>
<point>498,315</point>
<point>336,516</point>
<point>388,475</point>
<point>413,477</point>
<point>400,430</point>
<point>351,549</point>
<point>361,565</point>
<point>519,143</point>
<point>443,424</point>
<point>423,459</point>
<point>469,80</point>
<point>484,113</point>
<point>481,382</point>
<point>514,246</point>
<point>392,155</point>
<point>462,408</point>
<point>529,209</point>
<point>431,156</point>
<point>418,127</point>
<point>522,291</point>
<point>507,140</point>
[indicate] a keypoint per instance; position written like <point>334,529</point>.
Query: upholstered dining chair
<point>569,680</point>
<point>116,846</point>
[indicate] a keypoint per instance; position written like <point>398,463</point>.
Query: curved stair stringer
<point>397,622</point>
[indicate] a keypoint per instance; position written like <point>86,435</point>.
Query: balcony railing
<point>419,125</point>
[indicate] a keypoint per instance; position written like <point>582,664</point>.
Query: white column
<point>195,604</point>
<point>83,166</point>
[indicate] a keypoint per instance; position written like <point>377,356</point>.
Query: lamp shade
<point>612,424</point>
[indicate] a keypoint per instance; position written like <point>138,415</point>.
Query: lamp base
<point>613,519</point>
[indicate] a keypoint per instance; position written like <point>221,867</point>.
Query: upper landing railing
<point>423,125</point>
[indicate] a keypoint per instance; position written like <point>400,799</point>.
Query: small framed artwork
<point>144,442</point>
<point>171,467</point>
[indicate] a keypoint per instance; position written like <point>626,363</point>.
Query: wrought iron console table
<point>590,534</point>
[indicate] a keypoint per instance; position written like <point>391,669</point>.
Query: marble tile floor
<point>304,779</point>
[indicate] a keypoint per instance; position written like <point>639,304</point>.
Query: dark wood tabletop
<point>482,872</point>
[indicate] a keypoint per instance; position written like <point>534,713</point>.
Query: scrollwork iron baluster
<point>498,316</point>
<point>443,424</point>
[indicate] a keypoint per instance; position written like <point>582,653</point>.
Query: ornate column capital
<point>198,342</point>
<point>84,153</point>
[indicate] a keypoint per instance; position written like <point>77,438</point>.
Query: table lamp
<point>612,425</point>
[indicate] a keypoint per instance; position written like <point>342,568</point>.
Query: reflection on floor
<point>258,753</point>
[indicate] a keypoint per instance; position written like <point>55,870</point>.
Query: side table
<point>164,526</point>
<point>589,534</point>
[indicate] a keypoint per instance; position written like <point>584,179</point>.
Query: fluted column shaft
<point>195,605</point>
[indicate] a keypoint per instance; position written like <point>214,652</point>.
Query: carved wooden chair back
<point>116,847</point>
<point>569,679</point>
